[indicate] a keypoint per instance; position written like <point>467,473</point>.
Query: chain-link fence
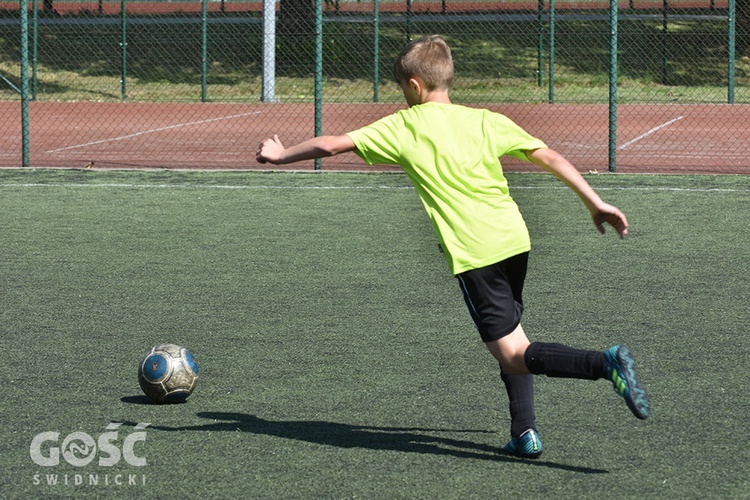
<point>640,86</point>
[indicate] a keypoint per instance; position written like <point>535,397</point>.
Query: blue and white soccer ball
<point>168,374</point>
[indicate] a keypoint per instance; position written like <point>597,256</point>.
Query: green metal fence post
<point>665,43</point>
<point>318,73</point>
<point>24,83</point>
<point>34,49</point>
<point>376,50</point>
<point>731,46</point>
<point>613,85</point>
<point>551,78</point>
<point>204,50</point>
<point>540,44</point>
<point>124,47</point>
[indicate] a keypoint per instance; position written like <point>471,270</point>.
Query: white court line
<point>198,186</point>
<point>649,189</point>
<point>151,131</point>
<point>346,188</point>
<point>655,129</point>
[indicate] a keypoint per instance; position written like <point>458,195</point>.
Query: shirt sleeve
<point>379,143</point>
<point>515,140</point>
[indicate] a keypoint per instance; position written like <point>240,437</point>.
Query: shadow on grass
<point>137,400</point>
<point>143,400</point>
<point>405,439</point>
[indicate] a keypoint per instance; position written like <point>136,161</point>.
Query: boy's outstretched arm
<point>601,212</point>
<point>273,151</point>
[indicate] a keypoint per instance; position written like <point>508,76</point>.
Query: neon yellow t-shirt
<point>451,154</point>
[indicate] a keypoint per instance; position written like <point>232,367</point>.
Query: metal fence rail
<point>635,86</point>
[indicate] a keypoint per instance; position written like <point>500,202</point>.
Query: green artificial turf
<point>336,357</point>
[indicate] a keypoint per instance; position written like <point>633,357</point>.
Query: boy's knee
<point>511,356</point>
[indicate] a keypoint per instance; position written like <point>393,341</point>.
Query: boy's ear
<point>416,85</point>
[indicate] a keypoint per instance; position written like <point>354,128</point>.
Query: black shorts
<point>493,295</point>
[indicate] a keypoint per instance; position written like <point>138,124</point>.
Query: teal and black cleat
<point>621,371</point>
<point>528,445</point>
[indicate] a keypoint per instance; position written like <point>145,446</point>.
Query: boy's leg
<point>558,360</point>
<point>494,299</point>
<point>524,441</point>
<point>520,389</point>
<point>517,355</point>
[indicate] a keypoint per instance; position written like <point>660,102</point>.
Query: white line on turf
<point>151,131</point>
<point>653,130</point>
<point>345,188</point>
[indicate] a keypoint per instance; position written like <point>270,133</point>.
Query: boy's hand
<point>612,216</point>
<point>269,151</point>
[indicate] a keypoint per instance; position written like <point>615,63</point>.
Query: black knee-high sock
<point>558,360</point>
<point>520,390</point>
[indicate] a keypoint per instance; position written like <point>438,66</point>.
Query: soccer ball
<point>168,374</point>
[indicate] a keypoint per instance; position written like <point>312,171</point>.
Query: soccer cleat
<point>528,445</point>
<point>621,371</point>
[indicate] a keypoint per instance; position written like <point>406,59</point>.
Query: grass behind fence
<point>337,359</point>
<point>495,61</point>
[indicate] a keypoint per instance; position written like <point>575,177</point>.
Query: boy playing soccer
<point>451,154</point>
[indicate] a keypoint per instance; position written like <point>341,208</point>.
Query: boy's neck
<point>439,96</point>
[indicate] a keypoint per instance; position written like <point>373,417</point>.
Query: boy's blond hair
<point>428,58</point>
